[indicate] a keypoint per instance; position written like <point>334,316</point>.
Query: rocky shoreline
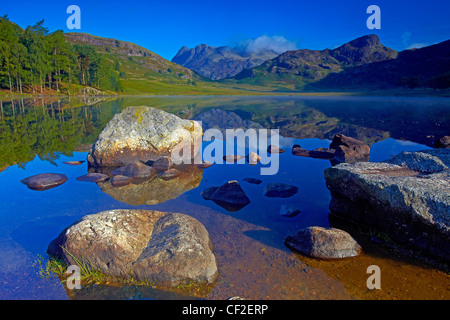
<point>405,197</point>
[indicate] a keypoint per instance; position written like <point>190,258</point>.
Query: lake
<point>39,135</point>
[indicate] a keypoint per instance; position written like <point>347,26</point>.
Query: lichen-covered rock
<point>324,243</point>
<point>155,246</point>
<point>142,134</point>
<point>409,202</point>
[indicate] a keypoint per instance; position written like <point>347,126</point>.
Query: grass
<point>50,267</point>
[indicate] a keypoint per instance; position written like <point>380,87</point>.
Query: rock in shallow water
<point>147,245</point>
<point>73,163</point>
<point>93,177</point>
<point>135,170</point>
<point>404,201</point>
<point>120,181</point>
<point>280,190</point>
<point>229,196</point>
<point>44,181</point>
<point>289,211</point>
<point>349,149</point>
<point>143,134</point>
<point>274,149</point>
<point>324,243</point>
<point>163,164</point>
<point>253,180</point>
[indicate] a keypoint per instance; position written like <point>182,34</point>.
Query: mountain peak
<point>363,50</point>
<point>370,40</point>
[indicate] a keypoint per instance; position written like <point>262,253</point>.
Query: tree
<point>37,45</point>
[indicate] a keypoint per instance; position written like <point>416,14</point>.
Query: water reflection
<point>155,190</point>
<point>51,127</point>
<point>249,243</point>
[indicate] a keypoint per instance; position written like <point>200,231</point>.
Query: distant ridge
<point>219,62</point>
<point>363,63</point>
<point>313,65</point>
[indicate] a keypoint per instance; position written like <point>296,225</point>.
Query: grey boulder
<point>324,243</point>
<point>160,247</point>
<point>142,134</point>
<point>406,197</point>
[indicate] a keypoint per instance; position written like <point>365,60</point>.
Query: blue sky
<point>163,26</point>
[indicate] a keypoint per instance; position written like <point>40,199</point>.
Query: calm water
<point>37,136</point>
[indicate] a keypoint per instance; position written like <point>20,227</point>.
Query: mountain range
<point>220,62</point>
<point>363,63</point>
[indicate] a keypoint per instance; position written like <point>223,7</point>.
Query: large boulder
<point>160,247</point>
<point>142,134</point>
<point>324,243</point>
<point>406,197</point>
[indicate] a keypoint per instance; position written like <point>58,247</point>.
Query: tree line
<point>33,60</point>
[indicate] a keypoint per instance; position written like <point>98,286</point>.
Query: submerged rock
<point>120,181</point>
<point>289,211</point>
<point>163,164</point>
<point>324,243</point>
<point>140,134</point>
<point>253,180</point>
<point>229,196</point>
<point>73,163</point>
<point>160,247</point>
<point>44,181</point>
<point>170,174</point>
<point>280,190</point>
<point>406,197</point>
<point>93,177</point>
<point>135,170</point>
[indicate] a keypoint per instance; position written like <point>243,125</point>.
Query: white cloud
<point>277,44</point>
